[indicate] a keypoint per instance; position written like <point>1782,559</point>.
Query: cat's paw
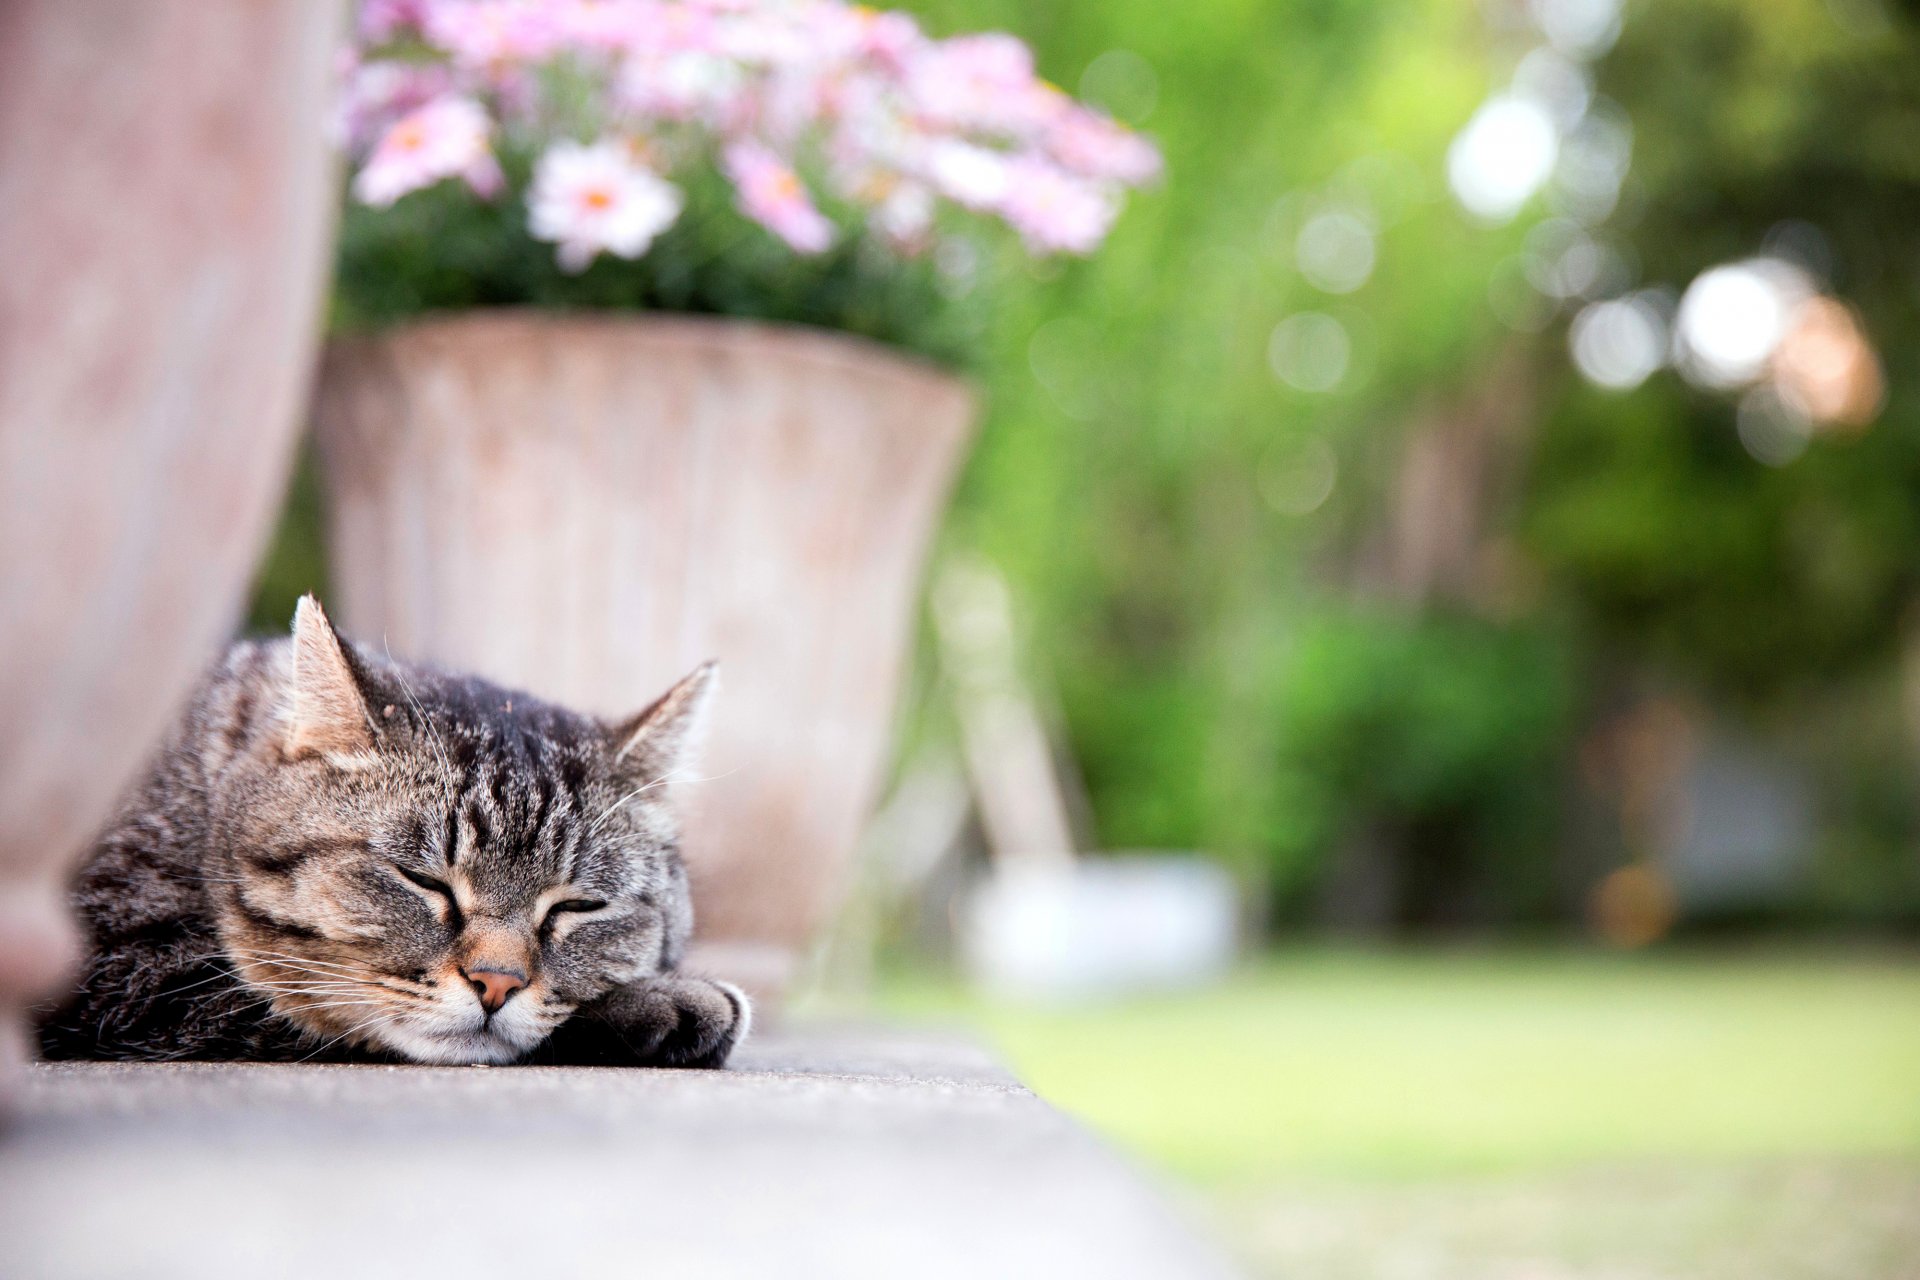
<point>665,1021</point>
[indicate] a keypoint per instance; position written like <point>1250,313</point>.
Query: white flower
<point>598,199</point>
<point>905,216</point>
<point>974,176</point>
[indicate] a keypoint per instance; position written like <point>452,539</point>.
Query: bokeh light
<point>1634,906</point>
<point>1296,478</point>
<point>1564,87</point>
<point>1772,430</point>
<point>1564,260</point>
<point>1124,83</point>
<point>1310,351</point>
<point>1582,29</point>
<point>1826,368</point>
<point>1595,155</point>
<point>1515,299</point>
<point>1619,344</point>
<point>1503,157</point>
<point>1732,318</point>
<point>1335,250</point>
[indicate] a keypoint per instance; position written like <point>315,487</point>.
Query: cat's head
<point>441,867</point>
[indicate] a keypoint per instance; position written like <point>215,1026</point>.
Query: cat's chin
<point>458,1048</point>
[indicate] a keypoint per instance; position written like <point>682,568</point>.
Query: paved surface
<point>829,1154</point>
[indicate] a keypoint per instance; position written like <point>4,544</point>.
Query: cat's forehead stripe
<point>522,802</point>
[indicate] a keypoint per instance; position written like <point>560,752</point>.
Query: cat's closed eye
<point>553,916</point>
<point>439,888</point>
<point>425,882</point>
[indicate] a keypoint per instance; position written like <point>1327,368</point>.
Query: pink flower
<point>897,123</point>
<point>1094,146</point>
<point>891,39</point>
<point>375,94</point>
<point>601,24</point>
<point>772,195</point>
<point>981,82</point>
<point>598,199</point>
<point>381,20</point>
<point>665,28</point>
<point>1055,212</point>
<point>493,34</point>
<point>446,138</point>
<point>765,36</point>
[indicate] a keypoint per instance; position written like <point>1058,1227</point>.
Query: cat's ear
<point>663,741</point>
<point>328,713</point>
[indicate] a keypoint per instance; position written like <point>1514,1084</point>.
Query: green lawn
<point>1406,1065</point>
<point>1480,1114</point>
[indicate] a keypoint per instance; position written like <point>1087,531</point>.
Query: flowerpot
<point>166,196</point>
<point>587,506</point>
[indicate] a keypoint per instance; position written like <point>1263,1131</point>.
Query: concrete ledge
<point>832,1154</point>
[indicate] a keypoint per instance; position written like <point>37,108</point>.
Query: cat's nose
<point>493,986</point>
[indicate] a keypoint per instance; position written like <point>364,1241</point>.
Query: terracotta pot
<point>586,507</point>
<point>165,194</point>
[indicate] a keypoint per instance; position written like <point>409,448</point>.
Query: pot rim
<point>805,342</point>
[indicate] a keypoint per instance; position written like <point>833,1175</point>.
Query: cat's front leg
<point>664,1021</point>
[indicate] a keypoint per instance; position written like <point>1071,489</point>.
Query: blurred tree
<point>1794,128</point>
<point>1783,590</point>
<point>1154,485</point>
<point>1190,481</point>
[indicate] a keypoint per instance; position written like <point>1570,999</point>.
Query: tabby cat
<point>338,857</point>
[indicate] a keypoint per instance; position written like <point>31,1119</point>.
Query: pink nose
<point>493,986</point>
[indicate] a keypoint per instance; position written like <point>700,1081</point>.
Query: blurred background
<point>1463,533</point>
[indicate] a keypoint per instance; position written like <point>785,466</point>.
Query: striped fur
<point>330,845</point>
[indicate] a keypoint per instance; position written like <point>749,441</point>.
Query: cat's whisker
<point>325,983</point>
<point>670,775</point>
<point>291,958</point>
<point>315,1006</point>
<point>283,972</point>
<point>227,974</point>
<point>318,968</point>
<point>287,973</point>
<point>303,979</point>
<point>320,981</point>
<point>376,1020</point>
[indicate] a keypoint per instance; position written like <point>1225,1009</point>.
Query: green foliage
<point>1447,729</point>
<point>1133,416</point>
<point>1683,552</point>
<point>443,250</point>
<point>1748,580</point>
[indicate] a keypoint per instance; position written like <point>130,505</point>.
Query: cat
<point>337,858</point>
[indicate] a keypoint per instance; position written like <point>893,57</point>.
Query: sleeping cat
<point>337,857</point>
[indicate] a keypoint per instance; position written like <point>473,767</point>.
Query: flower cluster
<point>615,98</point>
